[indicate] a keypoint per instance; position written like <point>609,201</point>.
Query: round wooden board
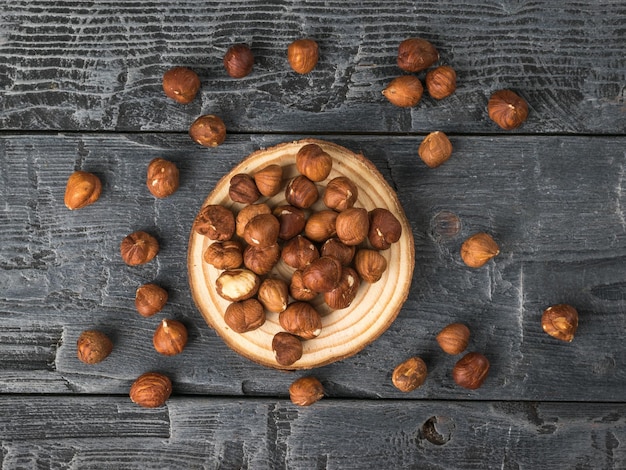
<point>344,332</point>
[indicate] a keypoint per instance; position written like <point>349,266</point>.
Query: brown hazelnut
<point>454,338</point>
<point>405,91</point>
<point>299,252</point>
<point>261,259</point>
<point>441,82</point>
<point>287,348</point>
<point>226,254</point>
<point>243,189</point>
<point>320,226</point>
<point>313,162</point>
<point>150,299</point>
<point>322,275</point>
<point>305,391</point>
<point>262,230</point>
<point>560,321</point>
<point>170,337</point>
<point>151,390</point>
<point>138,248</point>
<point>181,84</point>
<point>82,189</point>
<point>301,319</point>
<point>415,54</point>
<point>385,229</point>
<point>343,295</point>
<point>478,249</point>
<point>292,220</point>
<point>162,178</point>
<point>298,290</point>
<point>269,180</point>
<point>216,222</point>
<point>208,131</point>
<point>410,374</point>
<point>244,316</point>
<point>93,346</point>
<point>341,193</point>
<point>352,225</point>
<point>301,192</point>
<point>507,109</point>
<point>274,295</point>
<point>238,61</point>
<point>471,370</point>
<point>302,55</point>
<point>249,212</point>
<point>370,265</point>
<point>339,250</point>
<point>435,149</point>
<point>237,284</point>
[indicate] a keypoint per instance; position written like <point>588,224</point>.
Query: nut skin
<point>441,82</point>
<point>370,265</point>
<point>170,337</point>
<point>352,225</point>
<point>287,348</point>
<point>320,226</point>
<point>415,54</point>
<point>340,194</point>
<point>313,162</point>
<point>181,84</point>
<point>404,91</point>
<point>237,284</point>
<point>339,250</point>
<point>244,316</point>
<point>322,275</point>
<point>507,109</point>
<point>478,249</point>
<point>435,149</point>
<point>208,130</point>
<point>150,299</point>
<point>243,189</point>
<point>301,192</point>
<point>151,390</point>
<point>222,255</point>
<point>305,391</point>
<point>301,319</point>
<point>560,321</point>
<point>298,290</point>
<point>299,252</point>
<point>343,295</point>
<point>82,189</point>
<point>454,338</point>
<point>471,370</point>
<point>247,213</point>
<point>261,259</point>
<point>410,374</point>
<point>93,346</point>
<point>162,178</point>
<point>238,61</point>
<point>385,229</point>
<point>138,248</point>
<point>215,222</point>
<point>302,55</point>
<point>292,220</point>
<point>269,180</point>
<point>274,295</point>
<point>262,231</point>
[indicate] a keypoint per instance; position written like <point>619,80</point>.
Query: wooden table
<point>80,86</point>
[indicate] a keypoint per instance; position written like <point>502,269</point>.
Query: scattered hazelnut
<point>82,189</point>
<point>208,131</point>
<point>244,316</point>
<point>410,374</point>
<point>181,84</point>
<point>243,189</point>
<point>435,149</point>
<point>320,226</point>
<point>322,274</point>
<point>560,321</point>
<point>150,299</point>
<point>216,222</point>
<point>170,337</point>
<point>237,284</point>
<point>301,319</point>
<point>226,254</point>
<point>262,230</point>
<point>343,295</point>
<point>162,178</point>
<point>269,180</point>
<point>301,192</point>
<point>261,259</point>
<point>292,220</point>
<point>415,54</point>
<point>478,249</point>
<point>305,391</point>
<point>385,229</point>
<point>471,370</point>
<point>93,346</point>
<point>151,390</point>
<point>298,290</point>
<point>339,250</point>
<point>249,212</point>
<point>441,82</point>
<point>405,91</point>
<point>454,338</point>
<point>352,225</point>
<point>313,162</point>
<point>287,348</point>
<point>507,109</point>
<point>299,252</point>
<point>138,248</point>
<point>274,295</point>
<point>370,265</point>
<point>302,55</point>
<point>340,194</point>
<point>238,61</point>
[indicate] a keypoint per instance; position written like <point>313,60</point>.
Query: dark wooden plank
<point>71,65</point>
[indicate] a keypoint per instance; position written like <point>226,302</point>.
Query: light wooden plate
<point>344,332</point>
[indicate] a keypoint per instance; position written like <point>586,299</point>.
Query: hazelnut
<point>226,254</point>
<point>162,178</point>
<point>370,265</point>
<point>249,212</point>
<point>560,321</point>
<point>322,275</point>
<point>237,284</point>
<point>313,162</point>
<point>454,338</point>
<point>405,91</point>
<point>341,193</point>
<point>415,54</point>
<point>151,390</point>
<point>301,319</point>
<point>262,230</point>
<point>138,248</point>
<point>287,348</point>
<point>292,220</point>
<point>305,391</point>
<point>150,299</point>
<point>385,229</point>
<point>301,192</point>
<point>441,82</point>
<point>343,295</point>
<point>352,225</point>
<point>181,84</point>
<point>216,222</point>
<point>93,346</point>
<point>339,250</point>
<point>244,316</point>
<point>82,189</point>
<point>298,290</point>
<point>261,259</point>
<point>269,180</point>
<point>507,109</point>
<point>435,149</point>
<point>170,337</point>
<point>302,55</point>
<point>471,370</point>
<point>208,131</point>
<point>478,249</point>
<point>320,226</point>
<point>410,374</point>
<point>274,295</point>
<point>238,61</point>
<point>243,189</point>
<point>299,252</point>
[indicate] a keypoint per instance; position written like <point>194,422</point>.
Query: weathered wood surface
<point>83,65</point>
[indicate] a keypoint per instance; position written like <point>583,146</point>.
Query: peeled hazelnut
<point>560,321</point>
<point>405,91</point>
<point>299,252</point>
<point>244,316</point>
<point>339,250</point>
<point>322,275</point>
<point>435,149</point>
<point>302,55</point>
<point>82,189</point>
<point>301,192</point>
<point>170,337</point>
<point>181,84</point>
<point>301,319</point>
<point>341,193</point>
<point>410,374</point>
<point>249,212</point>
<point>343,295</point>
<point>385,229</point>
<point>352,225</point>
<point>243,189</point>
<point>237,284</point>
<point>262,230</point>
<point>162,178</point>
<point>292,221</point>
<point>415,54</point>
<point>138,248</point>
<point>269,180</point>
<point>507,109</point>
<point>287,348</point>
<point>93,346</point>
<point>471,370</point>
<point>454,338</point>
<point>305,391</point>
<point>226,254</point>
<point>370,265</point>
<point>320,225</point>
<point>208,131</point>
<point>478,249</point>
<point>441,82</point>
<point>151,390</point>
<point>274,295</point>
<point>298,290</point>
<point>216,222</point>
<point>150,299</point>
<point>261,259</point>
<point>313,162</point>
<point>238,61</point>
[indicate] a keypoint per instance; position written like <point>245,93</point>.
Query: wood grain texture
<point>82,65</point>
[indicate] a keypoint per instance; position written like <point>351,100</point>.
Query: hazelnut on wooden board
<point>321,225</point>
<point>170,337</point>
<point>82,189</point>
<point>274,294</point>
<point>226,254</point>
<point>339,250</point>
<point>345,292</point>
<point>287,348</point>
<point>162,178</point>
<point>301,192</point>
<point>370,265</point>
<point>215,222</point>
<point>405,91</point>
<point>435,149</point>
<point>208,130</point>
<point>299,252</point>
<point>352,225</point>
<point>151,390</point>
<point>313,162</point>
<point>138,248</point>
<point>302,55</point>
<point>238,60</point>
<point>244,316</point>
<point>243,189</point>
<point>322,274</point>
<point>441,82</point>
<point>305,391</point>
<point>298,290</point>
<point>560,321</point>
<point>454,338</point>
<point>269,180</point>
<point>261,259</point>
<point>385,228</point>
<point>237,284</point>
<point>340,194</point>
<point>150,299</point>
<point>507,109</point>
<point>292,220</point>
<point>93,346</point>
<point>301,319</point>
<point>478,249</point>
<point>247,213</point>
<point>262,230</point>
<point>471,370</point>
<point>181,84</point>
<point>415,54</point>
<point>410,374</point>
